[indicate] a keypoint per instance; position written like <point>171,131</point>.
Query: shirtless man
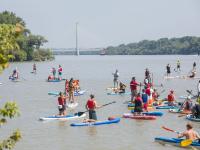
<point>190,133</point>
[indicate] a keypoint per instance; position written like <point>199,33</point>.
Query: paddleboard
<point>97,123</point>
<point>68,117</point>
<point>191,118</point>
<point>152,113</point>
<point>56,93</point>
<point>113,93</point>
<point>139,117</point>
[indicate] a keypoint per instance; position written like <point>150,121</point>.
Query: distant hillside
<point>164,46</point>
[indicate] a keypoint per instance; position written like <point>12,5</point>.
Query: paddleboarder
<point>171,98</point>
<point>194,65</point>
<point>178,65</point>
<point>34,68</point>
<point>71,90</point>
<point>62,104</point>
<point>115,80</point>
<point>198,89</point>
<point>60,72</point>
<point>133,87</point>
<point>91,106</point>
<point>145,100</point>
<point>168,68</point>
<point>54,73</point>
<point>138,104</point>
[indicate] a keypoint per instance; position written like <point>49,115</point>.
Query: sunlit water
<point>95,74</point>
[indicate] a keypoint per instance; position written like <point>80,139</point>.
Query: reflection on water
<point>91,131</point>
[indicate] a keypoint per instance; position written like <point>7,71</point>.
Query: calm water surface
<point>95,74</point>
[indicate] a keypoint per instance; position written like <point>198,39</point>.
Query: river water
<point>95,74</point>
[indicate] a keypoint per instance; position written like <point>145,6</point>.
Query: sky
<point>103,23</point>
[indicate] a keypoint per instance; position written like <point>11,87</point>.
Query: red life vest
<point>170,98</point>
<point>61,101</point>
<point>148,91</point>
<point>91,104</point>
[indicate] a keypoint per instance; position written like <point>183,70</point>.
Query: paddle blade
<point>185,143</point>
<point>79,113</point>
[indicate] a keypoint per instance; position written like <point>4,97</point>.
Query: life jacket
<point>138,102</point>
<point>170,98</point>
<point>148,91</point>
<point>91,104</point>
<point>61,101</point>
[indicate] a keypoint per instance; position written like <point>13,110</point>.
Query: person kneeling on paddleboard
<point>62,104</point>
<point>196,111</point>
<point>91,105</point>
<point>122,88</point>
<point>188,105</point>
<point>171,98</point>
<point>190,134</point>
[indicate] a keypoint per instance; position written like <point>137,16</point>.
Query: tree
<point>8,36</point>
<point>27,42</point>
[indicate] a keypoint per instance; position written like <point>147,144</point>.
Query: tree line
<point>164,46</point>
<point>27,46</point>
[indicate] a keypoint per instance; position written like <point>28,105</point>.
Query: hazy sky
<point>107,22</point>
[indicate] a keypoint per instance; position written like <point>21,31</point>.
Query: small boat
<point>175,142</point>
<point>191,118</point>
<point>68,117</point>
<point>139,117</point>
<point>97,123</point>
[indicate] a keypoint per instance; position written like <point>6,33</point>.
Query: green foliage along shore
<point>27,44</point>
<point>164,46</point>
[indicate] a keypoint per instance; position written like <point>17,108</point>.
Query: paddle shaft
<point>98,108</point>
<point>168,129</point>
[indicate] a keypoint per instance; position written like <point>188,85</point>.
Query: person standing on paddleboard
<point>194,66</point>
<point>178,65</point>
<point>71,90</point>
<point>190,134</point>
<point>147,75</point>
<point>115,80</point>
<point>198,89</point>
<point>54,73</point>
<point>145,100</point>
<point>60,72</point>
<point>62,104</point>
<point>133,87</point>
<point>168,68</point>
<point>66,87</point>
<point>91,105</point>
<point>34,68</point>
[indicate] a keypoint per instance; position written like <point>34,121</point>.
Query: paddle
<point>80,113</point>
<point>184,143</point>
<point>190,92</point>
<point>168,129</point>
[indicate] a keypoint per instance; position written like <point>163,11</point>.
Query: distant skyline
<point>105,23</point>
